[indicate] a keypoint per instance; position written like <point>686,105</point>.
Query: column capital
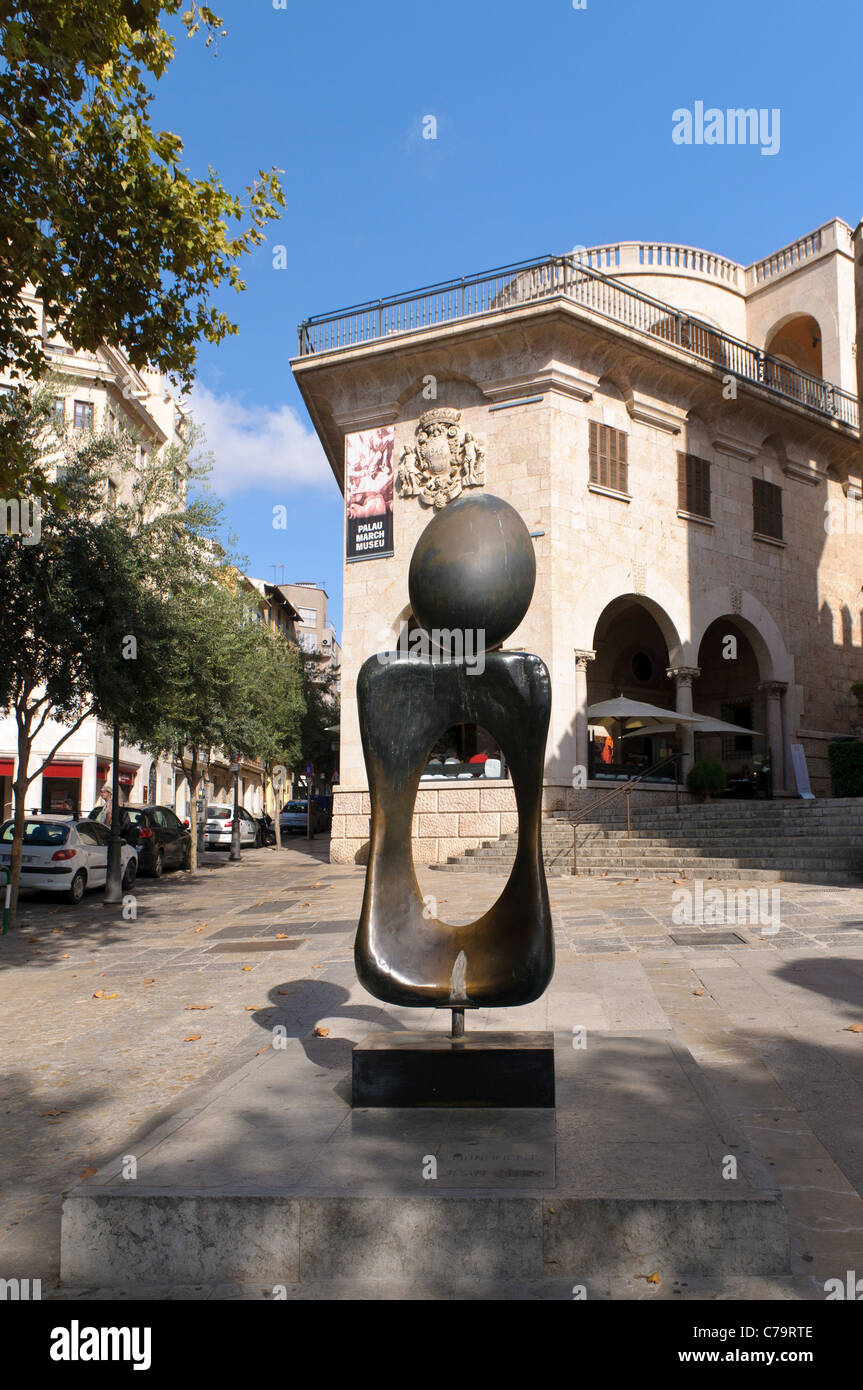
<point>773,689</point>
<point>582,658</point>
<point>684,675</point>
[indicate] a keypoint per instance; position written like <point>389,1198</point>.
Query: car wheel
<point>75,891</point>
<point>130,875</point>
<point>159,863</point>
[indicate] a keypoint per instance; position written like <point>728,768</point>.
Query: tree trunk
<point>19,787</point>
<point>277,810</point>
<point>192,779</point>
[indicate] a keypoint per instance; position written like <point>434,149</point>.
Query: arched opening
<point>797,341</point>
<point>632,660</point>
<point>729,689</point>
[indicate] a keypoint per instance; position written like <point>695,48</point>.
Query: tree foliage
<point>96,208</point>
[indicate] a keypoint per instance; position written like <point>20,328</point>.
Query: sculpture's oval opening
<point>465,801</point>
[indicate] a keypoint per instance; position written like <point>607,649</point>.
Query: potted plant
<point>706,777</point>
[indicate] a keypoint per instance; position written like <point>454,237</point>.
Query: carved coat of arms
<point>443,461</point>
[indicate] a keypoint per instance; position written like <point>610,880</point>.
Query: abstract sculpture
<point>471,580</point>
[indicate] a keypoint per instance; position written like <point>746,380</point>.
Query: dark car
<point>161,839</point>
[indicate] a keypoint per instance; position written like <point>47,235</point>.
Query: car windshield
<point>294,807</point>
<point>37,832</point>
<point>219,813</point>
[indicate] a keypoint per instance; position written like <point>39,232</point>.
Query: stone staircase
<point>760,841</point>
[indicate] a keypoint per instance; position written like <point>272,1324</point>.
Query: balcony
<point>573,279</point>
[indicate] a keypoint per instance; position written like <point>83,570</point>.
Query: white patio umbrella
<point>623,710</point>
<point>719,726</point>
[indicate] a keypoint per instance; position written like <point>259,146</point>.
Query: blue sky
<point>553,129</point>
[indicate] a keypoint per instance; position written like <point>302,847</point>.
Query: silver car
<point>219,827</point>
<point>66,856</point>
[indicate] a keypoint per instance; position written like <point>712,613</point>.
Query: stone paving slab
<point>775,1047</point>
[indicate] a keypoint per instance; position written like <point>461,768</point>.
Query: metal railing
<point>625,789</point>
<point>571,278</point>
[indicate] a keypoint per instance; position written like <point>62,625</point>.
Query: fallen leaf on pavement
<point>251,1008</point>
<point>317,967</point>
<point>88,1172</point>
<point>281,936</point>
<point>52,1113</point>
<point>247,967</point>
<point>199,1006</point>
<point>853,1028</point>
<point>262,1049</point>
<point>149,982</point>
<point>100,994</point>
<point>654,1278</point>
<point>322,1032</point>
<point>698,991</point>
<point>283,991</point>
<point>193,1037</point>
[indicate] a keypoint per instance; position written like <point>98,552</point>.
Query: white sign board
<point>801,772</point>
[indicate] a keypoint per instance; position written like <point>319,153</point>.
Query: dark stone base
<point>504,1070</point>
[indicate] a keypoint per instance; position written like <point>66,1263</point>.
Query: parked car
<point>219,827</point>
<point>66,856</point>
<point>294,818</point>
<point>162,841</point>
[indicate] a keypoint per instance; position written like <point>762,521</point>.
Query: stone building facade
<point>681,435</point>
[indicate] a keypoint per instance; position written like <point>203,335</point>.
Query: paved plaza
<point>110,1027</point>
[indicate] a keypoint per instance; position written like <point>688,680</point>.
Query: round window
<point>642,666</point>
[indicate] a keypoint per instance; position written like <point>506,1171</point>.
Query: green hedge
<point>846,766</point>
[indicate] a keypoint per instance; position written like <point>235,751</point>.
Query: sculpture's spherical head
<point>473,568</point>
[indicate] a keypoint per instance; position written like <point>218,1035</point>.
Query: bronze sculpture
<point>472,577</point>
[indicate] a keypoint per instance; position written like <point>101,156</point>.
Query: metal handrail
<point>625,789</point>
<point>526,282</point>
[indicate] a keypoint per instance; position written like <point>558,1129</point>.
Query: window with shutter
<point>767,509</point>
<point>693,484</point>
<point>608,458</point>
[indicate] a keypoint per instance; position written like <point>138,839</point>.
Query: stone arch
<point>666,605</point>
<point>775,662</point>
<point>797,338</point>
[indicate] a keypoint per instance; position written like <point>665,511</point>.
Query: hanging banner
<point>369,493</point>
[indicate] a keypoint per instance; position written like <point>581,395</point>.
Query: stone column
<point>683,676</point>
<point>580,703</point>
<point>774,691</point>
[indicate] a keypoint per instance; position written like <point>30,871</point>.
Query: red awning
<point>63,770</point>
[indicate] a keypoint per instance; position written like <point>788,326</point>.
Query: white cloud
<point>256,446</point>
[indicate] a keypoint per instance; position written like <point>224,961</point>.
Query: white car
<point>64,855</point>
<point>219,827</point>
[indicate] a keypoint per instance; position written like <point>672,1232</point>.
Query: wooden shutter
<point>767,508</point>
<point>693,484</point>
<point>608,460</point>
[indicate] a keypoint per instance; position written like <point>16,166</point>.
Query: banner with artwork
<point>369,493</point>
